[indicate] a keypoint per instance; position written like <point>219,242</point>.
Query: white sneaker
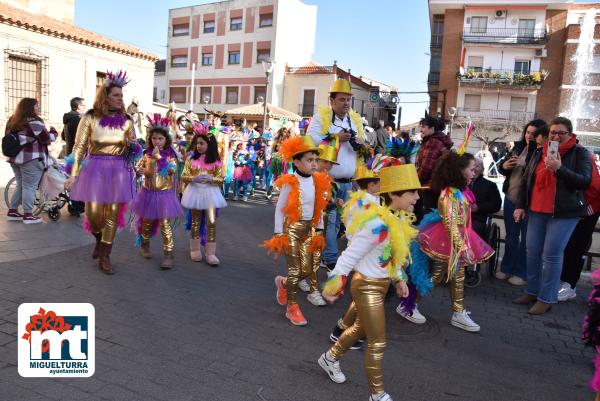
<point>235,198</point>
<point>500,275</point>
<point>380,397</point>
<point>245,199</point>
<point>316,299</point>
<point>416,318</point>
<point>517,281</point>
<point>462,320</point>
<point>332,368</point>
<point>566,293</point>
<point>303,285</point>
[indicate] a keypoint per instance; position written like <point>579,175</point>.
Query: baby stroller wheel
<point>54,213</point>
<point>472,277</point>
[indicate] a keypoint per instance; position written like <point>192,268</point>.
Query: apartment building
<point>222,47</point>
<point>505,62</point>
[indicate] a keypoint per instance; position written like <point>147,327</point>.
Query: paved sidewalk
<point>201,333</point>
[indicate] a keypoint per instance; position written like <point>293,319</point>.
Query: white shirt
<point>346,155</point>
<point>307,197</point>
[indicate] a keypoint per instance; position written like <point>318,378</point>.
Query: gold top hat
<point>296,145</point>
<point>399,178</point>
<point>328,153</point>
<point>341,86</point>
<point>363,173</point>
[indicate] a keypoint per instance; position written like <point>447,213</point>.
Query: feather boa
<point>292,209</point>
<point>277,245</point>
<point>335,285</point>
<point>317,243</point>
<point>115,122</point>
<point>134,153</point>
<point>69,162</point>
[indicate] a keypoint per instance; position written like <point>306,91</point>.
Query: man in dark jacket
<point>382,134</point>
<point>487,199</point>
<point>71,121</point>
<point>434,145</point>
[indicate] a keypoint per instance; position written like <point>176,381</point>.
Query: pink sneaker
<point>28,218</point>
<point>14,215</point>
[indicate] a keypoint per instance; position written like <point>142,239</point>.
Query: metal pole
<point>192,90</point>
<point>264,125</point>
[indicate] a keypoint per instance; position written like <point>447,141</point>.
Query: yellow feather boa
<point>325,115</point>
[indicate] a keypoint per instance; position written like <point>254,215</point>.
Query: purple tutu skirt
<point>104,179</point>
<point>156,205</point>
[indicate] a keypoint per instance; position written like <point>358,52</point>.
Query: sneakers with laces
<point>462,320</point>
<point>316,299</point>
<point>332,368</point>
<point>303,285</point>
<point>566,293</point>
<point>516,281</point>
<point>294,314</point>
<point>28,218</point>
<point>380,397</point>
<point>281,294</point>
<point>14,215</point>
<point>416,317</point>
<point>337,332</point>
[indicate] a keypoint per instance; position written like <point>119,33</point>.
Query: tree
<point>490,131</point>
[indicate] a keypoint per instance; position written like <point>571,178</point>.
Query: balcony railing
<point>496,115</point>
<point>505,35</point>
<point>503,77</point>
<point>306,110</point>
<point>436,41</point>
<point>433,78</point>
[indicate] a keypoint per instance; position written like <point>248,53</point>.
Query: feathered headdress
<point>296,145</point>
<point>156,121</point>
<point>119,79</point>
<point>463,146</point>
<point>398,147</point>
<point>200,129</point>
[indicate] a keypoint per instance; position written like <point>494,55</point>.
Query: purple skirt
<point>104,179</point>
<point>155,205</point>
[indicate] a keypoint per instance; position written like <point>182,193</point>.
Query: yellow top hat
<point>296,145</point>
<point>364,173</point>
<point>399,178</point>
<point>341,86</point>
<point>328,153</point>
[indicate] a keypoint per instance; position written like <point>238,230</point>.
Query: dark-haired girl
<point>450,240</point>
<point>202,172</point>
<point>157,204</point>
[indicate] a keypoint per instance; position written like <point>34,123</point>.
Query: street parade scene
<point>261,226</point>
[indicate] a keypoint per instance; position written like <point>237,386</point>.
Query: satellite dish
<point>461,69</point>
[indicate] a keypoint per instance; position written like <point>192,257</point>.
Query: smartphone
<point>553,149</point>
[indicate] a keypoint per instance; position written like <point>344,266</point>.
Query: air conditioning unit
<point>541,53</point>
<point>500,13</point>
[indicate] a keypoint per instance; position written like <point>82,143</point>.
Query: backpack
<point>11,145</point>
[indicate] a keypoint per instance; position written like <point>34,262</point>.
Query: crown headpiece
<point>200,129</point>
<point>156,121</point>
<point>119,79</point>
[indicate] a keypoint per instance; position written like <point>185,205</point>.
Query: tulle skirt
<point>156,205</point>
<point>435,242</point>
<point>203,196</point>
<point>243,174</point>
<point>104,179</point>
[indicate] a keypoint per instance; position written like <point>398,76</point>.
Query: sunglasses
<point>559,132</point>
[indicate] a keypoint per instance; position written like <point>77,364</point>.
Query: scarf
<point>546,178</point>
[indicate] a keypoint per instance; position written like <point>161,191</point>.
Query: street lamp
<point>451,113</point>
<point>268,67</point>
<point>206,99</point>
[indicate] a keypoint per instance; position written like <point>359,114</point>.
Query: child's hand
<point>402,289</point>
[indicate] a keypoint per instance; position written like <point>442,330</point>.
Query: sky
<point>386,40</point>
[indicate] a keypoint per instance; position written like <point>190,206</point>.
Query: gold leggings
<point>211,224</point>
<point>312,279</point>
<point>439,271</point>
<point>299,259</point>
<point>349,317</point>
<point>103,219</point>
<point>165,230</point>
<point>369,296</point>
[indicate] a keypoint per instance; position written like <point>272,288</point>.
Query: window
<point>593,68</point>
<point>209,26</point>
<point>308,104</point>
<point>24,79</point>
<point>518,104</point>
<point>206,93</point>
<point>265,20</point>
<point>177,95</point>
<point>260,94</point>
<point>231,95</point>
<point>234,58</point>
<point>207,58</point>
<point>522,66</point>
<point>263,55</point>
<point>181,30</point>
<point>475,63</point>
<point>155,94</point>
<point>590,110</point>
<point>526,28</point>
<point>479,24</point>
<point>162,95</point>
<point>236,24</point>
<point>437,31</point>
<point>100,78</point>
<point>178,61</point>
<point>472,102</point>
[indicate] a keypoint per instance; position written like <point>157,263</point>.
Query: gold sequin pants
<point>439,272</point>
<point>165,230</point>
<point>299,259</point>
<point>102,218</point>
<point>369,296</point>
<point>211,224</point>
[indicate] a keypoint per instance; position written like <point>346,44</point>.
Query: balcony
<point>495,115</point>
<point>433,78</point>
<point>436,41</point>
<point>306,110</point>
<point>499,78</point>
<point>512,36</point>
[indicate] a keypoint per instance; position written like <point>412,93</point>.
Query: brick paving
<point>201,333</point>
